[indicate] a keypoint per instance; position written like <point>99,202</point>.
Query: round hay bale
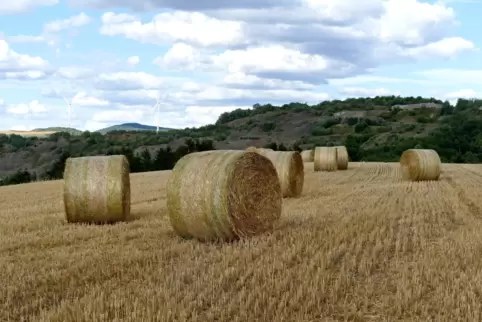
<point>255,149</point>
<point>290,169</point>
<point>97,189</point>
<point>325,159</point>
<point>223,195</point>
<point>420,164</point>
<point>308,155</point>
<point>342,157</point>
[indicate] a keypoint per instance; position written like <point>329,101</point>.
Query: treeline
<point>162,159</point>
<point>457,139</point>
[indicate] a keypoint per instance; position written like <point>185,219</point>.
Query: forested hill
<point>373,129</point>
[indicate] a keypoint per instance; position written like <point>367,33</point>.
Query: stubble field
<point>359,245</point>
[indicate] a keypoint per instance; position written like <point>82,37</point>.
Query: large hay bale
<point>97,189</point>
<point>325,159</point>
<point>290,168</point>
<point>308,155</point>
<point>420,164</point>
<point>223,195</point>
<point>342,157</point>
<point>255,149</point>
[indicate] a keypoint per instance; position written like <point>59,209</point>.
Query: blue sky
<point>112,60</point>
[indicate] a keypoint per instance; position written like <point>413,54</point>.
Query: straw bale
<point>97,189</point>
<point>223,195</point>
<point>325,159</point>
<point>290,168</point>
<point>420,164</point>
<point>342,157</point>
<point>308,155</point>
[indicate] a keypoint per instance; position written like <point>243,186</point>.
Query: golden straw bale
<point>325,159</point>
<point>223,195</point>
<point>342,157</point>
<point>290,168</point>
<point>420,164</point>
<point>97,189</point>
<point>308,155</point>
<point>255,149</point>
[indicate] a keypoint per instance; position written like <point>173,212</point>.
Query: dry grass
<point>28,133</point>
<point>360,244</point>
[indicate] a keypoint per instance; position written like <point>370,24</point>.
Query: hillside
<point>54,129</point>
<point>373,129</point>
<point>131,127</point>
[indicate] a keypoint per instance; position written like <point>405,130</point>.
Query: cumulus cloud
<point>186,5</point>
<point>20,66</point>
<point>128,81</point>
<point>463,93</point>
<point>33,107</point>
<point>370,92</point>
<point>71,22</point>
<point>185,57</point>
<point>75,72</point>
<point>83,99</point>
<point>189,27</point>
<point>133,60</point>
<point>16,7</point>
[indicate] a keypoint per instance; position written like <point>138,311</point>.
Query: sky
<point>112,59</point>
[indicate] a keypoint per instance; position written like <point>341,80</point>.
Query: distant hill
<point>372,129</point>
<point>57,129</point>
<point>131,127</point>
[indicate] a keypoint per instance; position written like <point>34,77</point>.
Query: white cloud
<point>445,48</point>
<point>463,93</point>
<point>14,65</point>
<point>241,80</point>
<point>183,56</point>
<point>21,6</point>
<point>75,72</point>
<point>82,99</point>
<point>133,60</point>
<point>34,107</point>
<point>367,92</point>
<point>128,81</point>
<point>189,27</point>
<point>118,116</point>
<point>71,22</point>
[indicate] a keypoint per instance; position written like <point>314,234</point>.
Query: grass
<point>28,133</point>
<point>359,245</point>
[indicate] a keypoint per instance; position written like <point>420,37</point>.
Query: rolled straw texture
<point>308,155</point>
<point>97,189</point>
<point>325,159</point>
<point>341,157</point>
<point>223,195</point>
<point>290,169</point>
<point>420,165</point>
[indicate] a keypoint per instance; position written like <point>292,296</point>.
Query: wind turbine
<point>69,110</point>
<point>157,105</point>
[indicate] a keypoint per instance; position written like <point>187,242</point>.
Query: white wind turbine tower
<point>69,110</point>
<point>156,107</point>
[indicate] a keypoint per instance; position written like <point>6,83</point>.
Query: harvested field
<point>360,244</point>
<point>28,133</point>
